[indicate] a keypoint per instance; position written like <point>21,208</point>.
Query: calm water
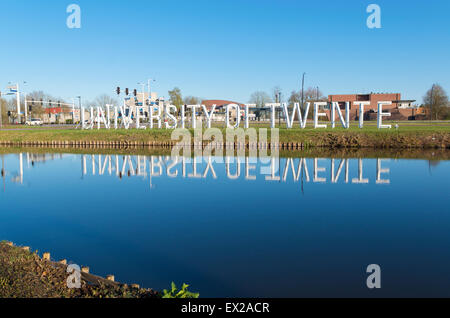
<point>237,227</point>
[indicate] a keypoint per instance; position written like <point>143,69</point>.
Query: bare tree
<point>311,94</point>
<point>105,99</point>
<point>175,97</point>
<point>296,97</point>
<point>4,111</point>
<point>260,99</point>
<point>276,91</point>
<point>35,99</point>
<point>437,103</point>
<point>192,100</point>
<point>11,106</point>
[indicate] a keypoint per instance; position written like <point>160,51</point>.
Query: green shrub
<point>182,293</point>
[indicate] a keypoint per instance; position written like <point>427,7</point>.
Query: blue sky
<point>226,49</point>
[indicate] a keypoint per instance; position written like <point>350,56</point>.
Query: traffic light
<point>9,113</point>
<point>59,104</point>
<point>118,90</point>
<point>135,92</point>
<point>32,102</point>
<point>30,108</point>
<point>127,91</point>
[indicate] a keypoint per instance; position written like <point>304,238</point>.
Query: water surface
<point>232,227</point>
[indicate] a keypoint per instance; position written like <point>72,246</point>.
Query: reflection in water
<point>31,160</point>
<point>270,169</point>
<point>236,226</point>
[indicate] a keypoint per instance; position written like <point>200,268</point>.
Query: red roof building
<point>54,110</point>
<point>219,103</point>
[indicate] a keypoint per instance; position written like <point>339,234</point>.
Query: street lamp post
<point>73,111</point>
<point>18,102</point>
<point>25,101</point>
<point>79,104</point>
<point>143,93</point>
<point>431,103</point>
<point>279,110</point>
<point>25,106</point>
<point>143,99</point>
<point>303,91</point>
<point>149,89</point>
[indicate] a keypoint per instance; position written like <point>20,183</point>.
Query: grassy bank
<point>407,136</point>
<point>370,137</point>
<point>404,137</point>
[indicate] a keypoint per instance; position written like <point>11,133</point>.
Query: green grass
<point>409,134</point>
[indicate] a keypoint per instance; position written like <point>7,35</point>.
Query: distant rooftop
<point>219,102</point>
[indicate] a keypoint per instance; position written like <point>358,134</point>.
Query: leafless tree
<point>260,98</point>
<point>34,100</point>
<point>437,103</point>
<point>192,100</point>
<point>105,99</point>
<point>311,94</point>
<point>276,91</point>
<point>4,111</point>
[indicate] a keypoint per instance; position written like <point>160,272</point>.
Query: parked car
<point>34,122</point>
<point>87,122</point>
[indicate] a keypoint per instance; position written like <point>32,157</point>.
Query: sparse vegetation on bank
<point>407,136</point>
<point>416,153</point>
<point>23,274</point>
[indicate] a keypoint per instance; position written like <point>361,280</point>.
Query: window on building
<point>363,98</point>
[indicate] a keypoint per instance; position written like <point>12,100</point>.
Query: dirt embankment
<point>438,140</point>
<point>25,275</point>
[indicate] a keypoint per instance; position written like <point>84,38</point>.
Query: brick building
<point>59,115</point>
<point>400,109</point>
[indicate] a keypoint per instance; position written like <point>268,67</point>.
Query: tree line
<point>436,101</point>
